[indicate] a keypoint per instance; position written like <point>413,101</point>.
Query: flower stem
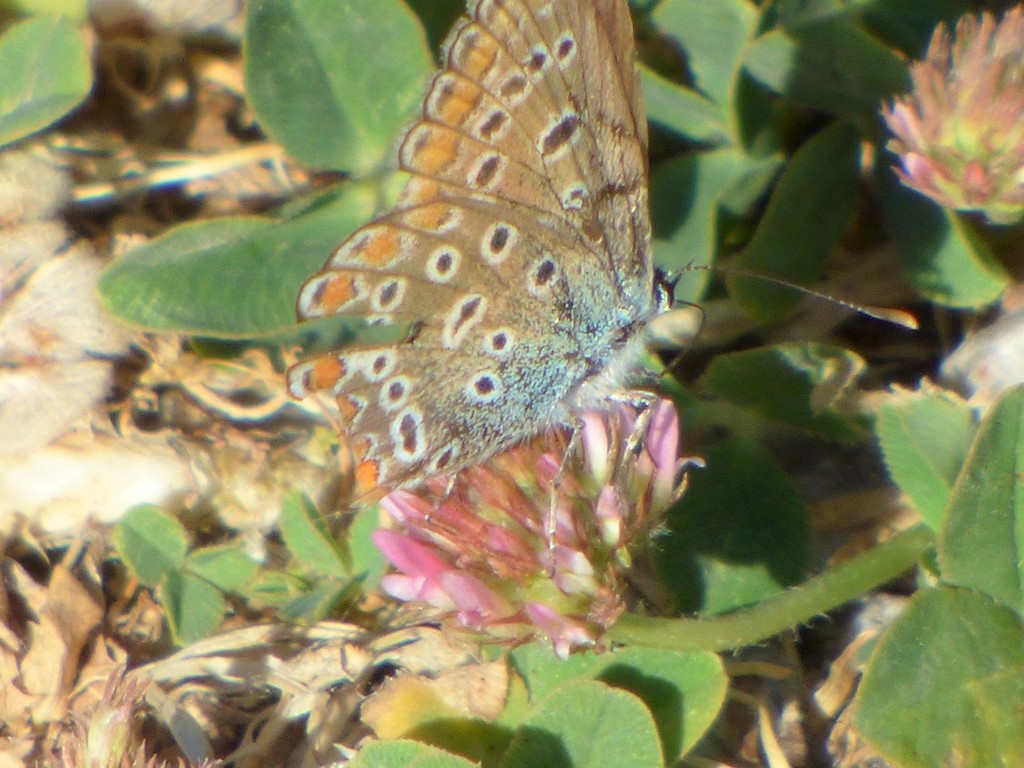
<point>795,606</point>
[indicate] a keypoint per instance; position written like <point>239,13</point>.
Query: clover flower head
<point>959,133</point>
<point>528,545</point>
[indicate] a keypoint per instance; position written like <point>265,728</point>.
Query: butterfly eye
<point>664,289</point>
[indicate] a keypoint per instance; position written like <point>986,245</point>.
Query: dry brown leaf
<point>75,607</point>
<point>409,701</point>
<point>67,619</point>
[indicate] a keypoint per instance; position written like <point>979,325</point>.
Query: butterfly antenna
<point>894,316</point>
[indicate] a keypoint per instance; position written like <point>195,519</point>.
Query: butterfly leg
<point>642,401</point>
<point>449,490</point>
<point>552,517</point>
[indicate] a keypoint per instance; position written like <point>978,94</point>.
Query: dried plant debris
<point>178,17</point>
<point>56,349</point>
<point>31,188</point>
<point>56,342</point>
<point>988,362</point>
<point>292,696</point>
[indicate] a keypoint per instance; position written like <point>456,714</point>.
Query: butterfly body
<point>519,251</point>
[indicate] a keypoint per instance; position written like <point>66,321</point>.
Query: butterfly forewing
<point>519,250</point>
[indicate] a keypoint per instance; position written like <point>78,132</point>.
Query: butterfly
<point>518,253</point>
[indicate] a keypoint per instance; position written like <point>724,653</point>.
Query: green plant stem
<point>791,608</point>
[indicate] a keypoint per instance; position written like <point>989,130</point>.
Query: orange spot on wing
<point>367,475</point>
<point>455,104</point>
<point>480,58</point>
<point>327,372</point>
<point>429,217</point>
<point>419,191</point>
<point>348,408</point>
<point>336,292</point>
<point>435,152</point>
<point>381,249</point>
<point>360,447</point>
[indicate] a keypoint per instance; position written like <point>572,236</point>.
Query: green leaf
<point>334,82</point>
<point>46,74</point>
<point>794,384</point>
<point>806,215</point>
<point>368,563</point>
<point>273,589</point>
<point>586,724</point>
<point>908,25</point>
<point>683,691</point>
<point>437,18</point>
<point>316,604</point>
<point>194,608</point>
<point>714,36</point>
<point>739,534</point>
<point>542,672</point>
<point>945,685</point>
<point>792,13</point>
<point>944,258</point>
<point>227,566</point>
<point>924,440</point>
<point>679,109</point>
<point>73,9</point>
<point>981,544</point>
<point>169,284</point>
<point>833,66</point>
<point>150,542</point>
<point>400,753</point>
<point>233,277</point>
<point>686,194</point>
<point>309,539</point>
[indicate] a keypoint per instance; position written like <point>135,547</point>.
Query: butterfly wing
<point>518,248</point>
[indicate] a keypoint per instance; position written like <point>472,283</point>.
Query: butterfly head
<point>664,290</point>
